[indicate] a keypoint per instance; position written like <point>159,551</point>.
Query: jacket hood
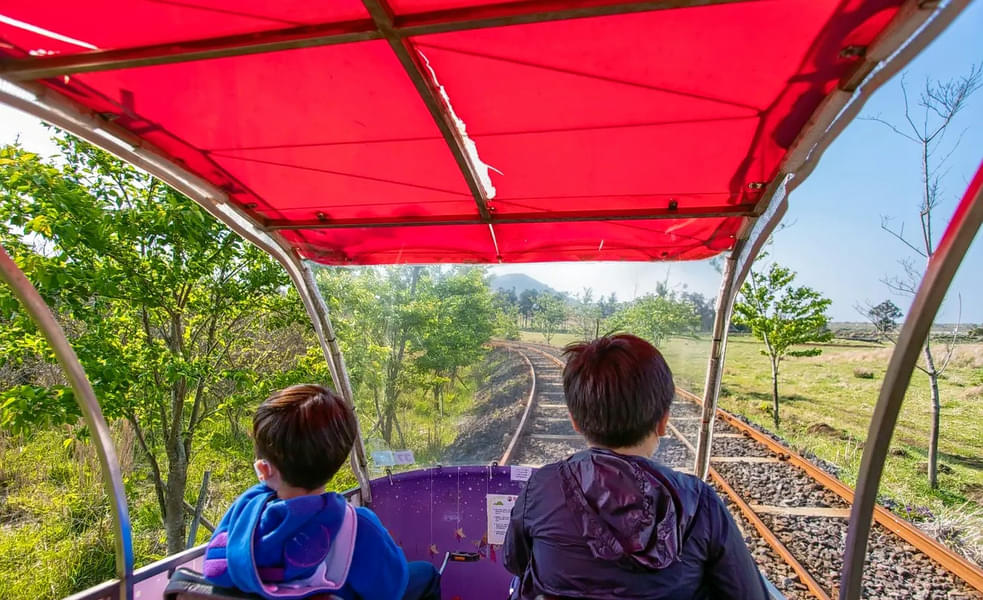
<point>626,507</point>
<point>282,548</point>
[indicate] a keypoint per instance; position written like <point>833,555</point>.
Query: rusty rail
<point>948,559</point>
<point>507,456</point>
<point>766,533</point>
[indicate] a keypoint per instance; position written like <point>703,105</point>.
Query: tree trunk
<point>933,440</point>
<point>174,524</point>
<point>174,446</point>
<point>774,393</point>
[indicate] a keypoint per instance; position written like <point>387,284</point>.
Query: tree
<point>782,317</point>
<point>460,321</point>
<point>656,317</point>
<point>406,330</point>
<point>506,314</point>
<point>527,305</point>
<point>940,102</point>
<point>166,307</point>
<point>550,314</point>
<point>885,317</point>
<point>608,306</point>
<point>704,309</point>
<point>588,315</point>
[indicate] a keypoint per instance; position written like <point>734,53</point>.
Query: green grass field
<point>826,410</point>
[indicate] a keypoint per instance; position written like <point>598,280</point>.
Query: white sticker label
<point>404,457</point>
<point>384,458</point>
<point>499,513</point>
<point>520,473</point>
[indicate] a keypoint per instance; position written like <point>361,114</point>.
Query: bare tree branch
<point>892,128</point>
<point>900,235</point>
<point>950,347</point>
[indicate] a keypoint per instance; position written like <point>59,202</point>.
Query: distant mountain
<point>520,282</point>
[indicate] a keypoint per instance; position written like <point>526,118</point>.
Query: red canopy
<point>461,130</point>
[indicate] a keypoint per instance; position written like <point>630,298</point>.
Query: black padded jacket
<point>604,525</point>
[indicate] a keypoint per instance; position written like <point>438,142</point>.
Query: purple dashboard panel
<point>430,512</point>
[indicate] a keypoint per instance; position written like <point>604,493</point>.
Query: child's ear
<point>662,425</point>
<point>574,423</point>
<point>264,470</point>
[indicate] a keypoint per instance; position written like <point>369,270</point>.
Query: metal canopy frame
<point>963,226</point>
<point>382,25</point>
<point>917,23</point>
<point>730,210</point>
<point>85,396</point>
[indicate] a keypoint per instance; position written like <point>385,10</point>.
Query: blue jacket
<point>602,525</point>
<point>289,549</point>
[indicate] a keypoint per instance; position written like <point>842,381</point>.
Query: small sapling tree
<point>939,103</point>
<point>782,316</point>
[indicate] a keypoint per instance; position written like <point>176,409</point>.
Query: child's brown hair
<point>617,389</point>
<point>306,432</point>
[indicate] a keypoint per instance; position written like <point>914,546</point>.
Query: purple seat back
<point>433,511</point>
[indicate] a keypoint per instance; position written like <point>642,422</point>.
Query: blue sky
<point>835,244</point>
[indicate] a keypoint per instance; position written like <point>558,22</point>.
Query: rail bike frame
<point>917,23</point>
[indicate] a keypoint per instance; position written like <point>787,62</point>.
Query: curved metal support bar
<point>736,269</point>
<point>48,106</point>
<point>715,366</point>
<point>339,373</point>
<point>915,25</point>
<point>941,269</point>
<point>112,478</point>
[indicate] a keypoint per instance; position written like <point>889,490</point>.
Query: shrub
<point>863,373</point>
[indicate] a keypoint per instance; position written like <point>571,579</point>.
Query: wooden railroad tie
<point>802,511</point>
<point>745,459</point>
<point>556,437</point>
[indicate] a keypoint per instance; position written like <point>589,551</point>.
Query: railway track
<point>793,515</point>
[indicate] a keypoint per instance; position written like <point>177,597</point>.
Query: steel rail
<point>942,267</point>
<point>461,19</point>
<point>767,534</point>
<point>507,455</point>
<point>87,402</point>
<point>951,561</point>
<point>53,108</point>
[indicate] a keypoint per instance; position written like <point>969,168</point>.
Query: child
<point>288,538</point>
<point>608,522</point>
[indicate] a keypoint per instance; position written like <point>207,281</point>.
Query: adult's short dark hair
<point>617,389</point>
<point>306,432</point>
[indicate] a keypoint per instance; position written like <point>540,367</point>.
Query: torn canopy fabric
<point>424,131</point>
